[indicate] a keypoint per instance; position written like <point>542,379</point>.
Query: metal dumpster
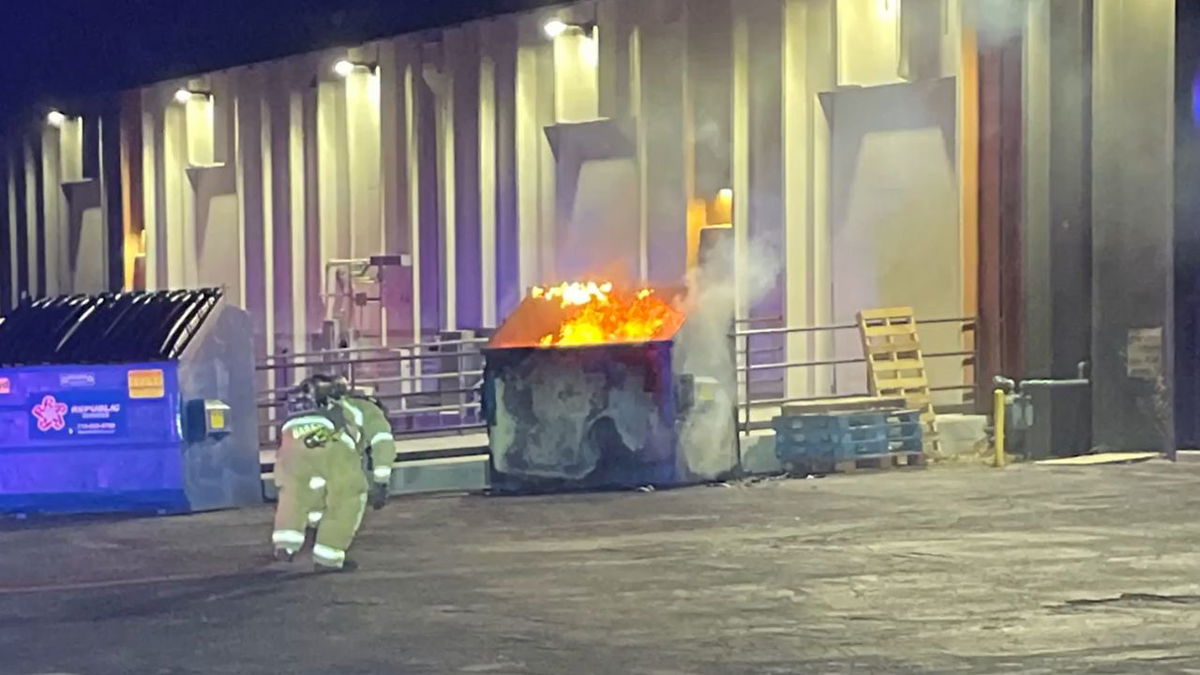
<point>127,402</point>
<point>605,414</point>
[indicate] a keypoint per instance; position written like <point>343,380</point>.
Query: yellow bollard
<point>999,400</point>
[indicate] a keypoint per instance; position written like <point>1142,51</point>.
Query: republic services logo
<point>50,414</point>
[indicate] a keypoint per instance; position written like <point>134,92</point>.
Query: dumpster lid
<point>105,328</point>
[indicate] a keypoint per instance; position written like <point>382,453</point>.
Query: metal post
<point>746,368</point>
<point>999,401</point>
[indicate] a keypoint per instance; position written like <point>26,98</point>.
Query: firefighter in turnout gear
<point>375,442</point>
<point>319,475</point>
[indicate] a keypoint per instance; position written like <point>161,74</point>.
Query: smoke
<point>995,21</point>
<point>705,348</point>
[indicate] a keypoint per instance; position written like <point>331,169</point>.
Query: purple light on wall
<point>1196,98</point>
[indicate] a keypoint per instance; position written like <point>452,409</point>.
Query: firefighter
<point>319,475</point>
<point>376,441</point>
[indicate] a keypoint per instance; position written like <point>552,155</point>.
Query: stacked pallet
<point>846,441</point>
<point>896,365</point>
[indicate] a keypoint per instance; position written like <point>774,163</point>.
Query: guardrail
<point>432,387</point>
<point>747,368</point>
<point>428,387</point>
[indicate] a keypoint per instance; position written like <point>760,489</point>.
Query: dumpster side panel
<point>90,438</point>
<point>600,416</point>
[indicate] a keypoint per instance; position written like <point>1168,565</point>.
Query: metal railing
<point>771,392</point>
<point>432,388</point>
<point>427,387</point>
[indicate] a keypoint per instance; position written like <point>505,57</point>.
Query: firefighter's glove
<point>379,495</point>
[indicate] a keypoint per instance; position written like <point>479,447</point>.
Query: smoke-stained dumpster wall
<point>644,397</point>
<point>598,416</point>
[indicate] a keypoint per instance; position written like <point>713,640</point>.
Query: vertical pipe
<point>746,389</point>
<point>999,400</point>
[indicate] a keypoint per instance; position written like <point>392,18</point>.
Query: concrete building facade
<point>943,154</point>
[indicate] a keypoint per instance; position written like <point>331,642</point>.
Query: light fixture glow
<point>725,194</point>
<point>589,50</point>
<point>55,118</point>
<point>554,28</point>
<point>183,96</point>
<point>343,68</point>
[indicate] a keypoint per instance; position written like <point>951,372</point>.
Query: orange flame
<point>600,314</point>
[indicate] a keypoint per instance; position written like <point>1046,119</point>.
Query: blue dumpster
<point>127,402</point>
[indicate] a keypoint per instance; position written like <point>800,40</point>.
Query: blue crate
<point>838,437</point>
<point>905,432</point>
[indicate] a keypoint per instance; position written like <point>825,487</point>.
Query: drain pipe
<point>1005,387</point>
<point>999,408</point>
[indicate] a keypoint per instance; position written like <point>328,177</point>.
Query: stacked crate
<point>835,442</point>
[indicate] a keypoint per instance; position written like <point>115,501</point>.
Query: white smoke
<point>706,349</point>
<point>995,21</point>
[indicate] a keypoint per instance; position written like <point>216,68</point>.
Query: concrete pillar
<point>396,57</point>
<point>797,144</point>
<point>1056,227</point>
<point>503,53</point>
<point>302,286</point>
<point>151,144</point>
<point>1132,206</point>
<point>462,54</point>
<point>663,48</point>
<point>822,77</point>
<point>534,161</point>
<point>251,197</point>
<point>112,210</point>
<point>18,223</point>
<point>614,20</point>
<point>35,218</point>
<point>53,208</point>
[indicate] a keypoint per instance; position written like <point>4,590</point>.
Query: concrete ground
<point>1031,569</point>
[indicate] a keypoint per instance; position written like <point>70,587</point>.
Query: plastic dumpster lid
<point>105,328</point>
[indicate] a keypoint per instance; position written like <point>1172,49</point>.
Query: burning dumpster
<point>127,402</point>
<point>583,389</point>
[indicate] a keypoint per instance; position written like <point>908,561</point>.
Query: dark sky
<point>55,48</point>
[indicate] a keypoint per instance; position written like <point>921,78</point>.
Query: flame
<point>597,313</point>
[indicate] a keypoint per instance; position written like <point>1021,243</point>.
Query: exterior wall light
<point>556,27</point>
<point>344,68</point>
<point>56,118</point>
<point>183,94</point>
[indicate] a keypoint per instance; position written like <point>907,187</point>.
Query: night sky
<point>55,49</point>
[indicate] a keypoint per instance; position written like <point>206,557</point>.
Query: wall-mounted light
<point>556,27</point>
<point>56,118</point>
<point>183,94</point>
<point>344,68</point>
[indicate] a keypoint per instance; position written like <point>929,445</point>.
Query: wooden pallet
<point>844,404</point>
<point>894,460</point>
<point>896,364</point>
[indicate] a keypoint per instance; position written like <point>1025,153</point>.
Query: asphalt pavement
<point>1029,569</point>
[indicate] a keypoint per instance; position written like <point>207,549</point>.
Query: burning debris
<point>597,313</point>
<point>582,390</point>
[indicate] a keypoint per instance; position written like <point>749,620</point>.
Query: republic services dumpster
<point>127,402</point>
